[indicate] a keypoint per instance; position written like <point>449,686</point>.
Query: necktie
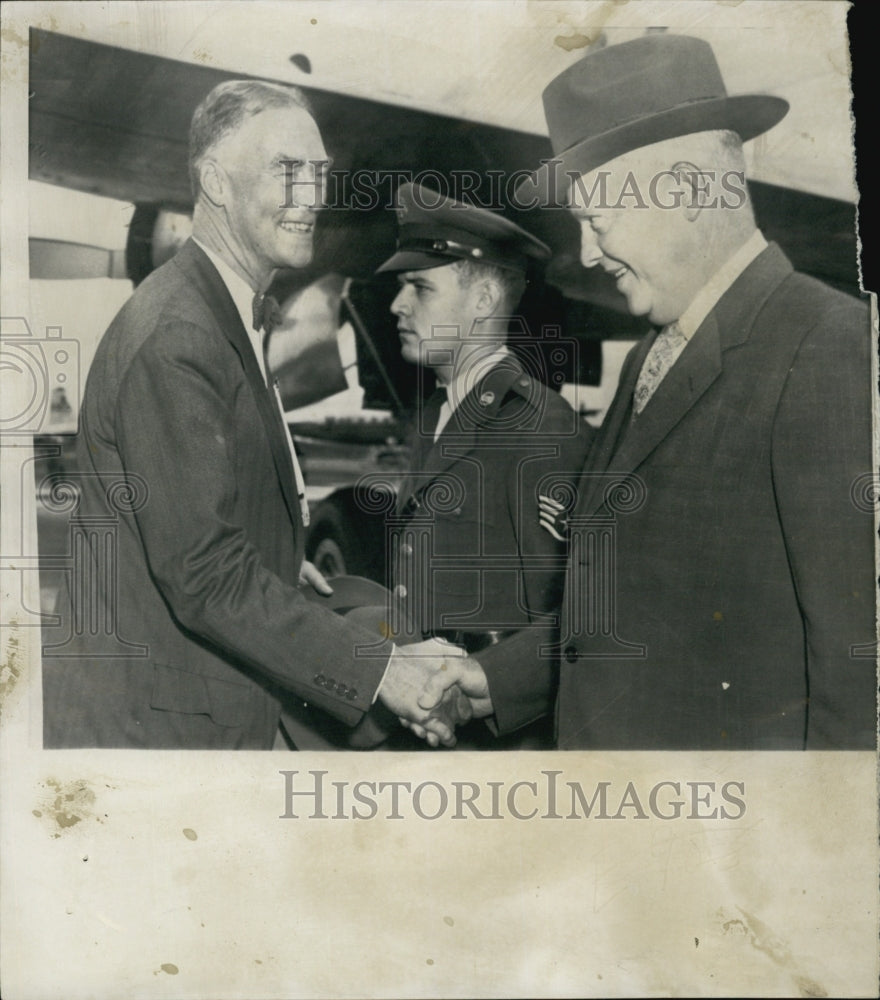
<point>661,357</point>
<point>431,413</point>
<point>445,413</point>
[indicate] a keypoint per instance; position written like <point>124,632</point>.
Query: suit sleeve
<point>522,681</point>
<point>821,447</point>
<point>173,424</point>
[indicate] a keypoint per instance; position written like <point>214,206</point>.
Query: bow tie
<point>266,312</point>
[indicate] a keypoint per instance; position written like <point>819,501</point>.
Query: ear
<point>488,295</point>
<point>696,186</point>
<point>213,181</point>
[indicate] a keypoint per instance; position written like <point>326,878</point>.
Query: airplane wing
<point>114,121</point>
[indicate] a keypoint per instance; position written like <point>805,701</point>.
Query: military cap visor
<point>435,231</point>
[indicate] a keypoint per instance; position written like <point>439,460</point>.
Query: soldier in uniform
<point>470,562</point>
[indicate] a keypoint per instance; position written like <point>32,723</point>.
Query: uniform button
<point>406,549</point>
<point>571,654</point>
<point>341,689</point>
<point>487,399</point>
<point>319,679</point>
<point>351,694</point>
<point>400,591</point>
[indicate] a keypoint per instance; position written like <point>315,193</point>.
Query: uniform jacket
<point>187,623</point>
<point>471,556</point>
<point>742,602</point>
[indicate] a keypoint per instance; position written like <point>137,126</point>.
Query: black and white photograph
<point>465,411</point>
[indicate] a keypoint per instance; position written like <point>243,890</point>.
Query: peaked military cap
<point>436,230</point>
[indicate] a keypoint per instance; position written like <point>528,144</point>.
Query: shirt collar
<point>708,296</point>
<point>243,298</point>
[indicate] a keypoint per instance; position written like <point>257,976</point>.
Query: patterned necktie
<point>661,357</point>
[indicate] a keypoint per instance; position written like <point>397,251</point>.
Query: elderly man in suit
<point>189,628</point>
<point>472,564</point>
<point>740,607</point>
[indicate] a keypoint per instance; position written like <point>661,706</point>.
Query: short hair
<point>720,148</point>
<point>226,107</point>
<point>512,282</point>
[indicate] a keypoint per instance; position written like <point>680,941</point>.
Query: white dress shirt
<point>243,297</point>
<point>708,296</point>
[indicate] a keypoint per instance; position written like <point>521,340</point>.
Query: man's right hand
<point>409,672</point>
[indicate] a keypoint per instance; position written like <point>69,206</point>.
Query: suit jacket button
<point>319,679</point>
<point>400,591</point>
<point>351,694</point>
<point>571,654</point>
<point>341,689</point>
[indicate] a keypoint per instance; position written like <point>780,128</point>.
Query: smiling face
<point>646,242</point>
<point>272,190</point>
<point>435,315</point>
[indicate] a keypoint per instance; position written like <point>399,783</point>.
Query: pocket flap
<point>175,690</point>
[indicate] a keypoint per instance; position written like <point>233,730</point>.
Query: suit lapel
<point>478,408</point>
<point>210,285</point>
<point>614,425</point>
<point>461,433</point>
<point>625,446</point>
<point>692,374</point>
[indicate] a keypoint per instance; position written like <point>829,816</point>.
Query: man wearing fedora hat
<point>471,563</point>
<point>742,587</point>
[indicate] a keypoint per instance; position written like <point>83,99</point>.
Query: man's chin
<point>297,256</point>
<point>412,356</point>
<point>300,260</point>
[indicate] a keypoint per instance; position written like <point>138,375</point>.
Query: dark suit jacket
<point>743,567</point>
<point>187,622</point>
<point>472,557</point>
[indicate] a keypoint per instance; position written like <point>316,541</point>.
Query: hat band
<point>460,251</point>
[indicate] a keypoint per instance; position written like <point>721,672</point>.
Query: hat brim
<point>748,115</point>
<point>348,592</point>
<point>414,260</point>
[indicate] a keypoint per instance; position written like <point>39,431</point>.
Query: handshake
<point>433,687</point>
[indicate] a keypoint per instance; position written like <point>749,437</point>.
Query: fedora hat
<point>633,94</point>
